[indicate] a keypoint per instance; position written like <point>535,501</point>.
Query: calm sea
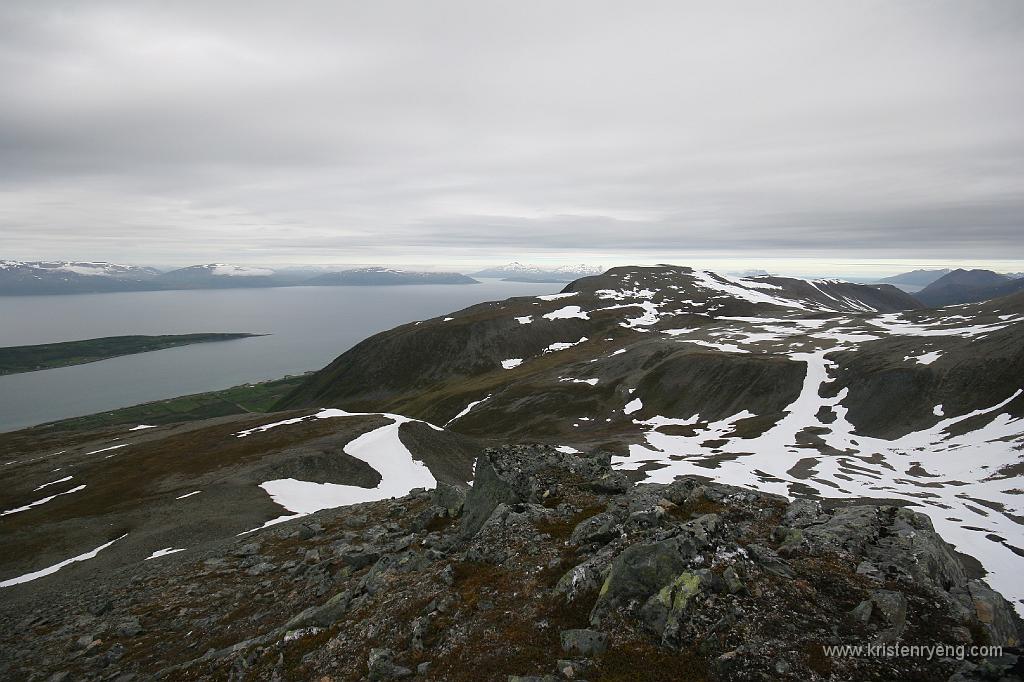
<point>308,327</point>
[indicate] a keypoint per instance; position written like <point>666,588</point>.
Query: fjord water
<point>307,326</point>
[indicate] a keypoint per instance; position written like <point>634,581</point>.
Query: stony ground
<point>552,567</point>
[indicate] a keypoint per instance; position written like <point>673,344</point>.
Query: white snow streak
<point>56,567</point>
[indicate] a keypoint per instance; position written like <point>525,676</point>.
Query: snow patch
<point>466,410</point>
<point>382,449</point>
<point>163,552</point>
<point>240,271</point>
<point>42,501</point>
<point>56,567</point>
<point>59,480</point>
<point>568,312</point>
<point>563,345</point>
<point>112,447</point>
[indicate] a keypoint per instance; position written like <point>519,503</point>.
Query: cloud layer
<point>449,131</point>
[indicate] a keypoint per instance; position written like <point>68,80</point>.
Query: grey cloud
<point>253,131</point>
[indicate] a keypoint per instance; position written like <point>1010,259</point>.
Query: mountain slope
<point>968,286</point>
<point>793,387</point>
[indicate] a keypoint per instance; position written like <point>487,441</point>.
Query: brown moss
<point>561,529</point>
<point>817,661</point>
<point>694,508</point>
<point>637,659</point>
<point>439,524</point>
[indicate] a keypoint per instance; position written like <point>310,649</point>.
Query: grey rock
<point>641,570</point>
<point>613,483</point>
<point>995,614</point>
<point>862,611</point>
<point>892,605</point>
<point>449,497</point>
<point>584,642</point>
<point>600,529</point>
<point>579,580</point>
<point>248,549</point>
<point>381,666</point>
<point>448,575</point>
<point>359,557</point>
<point>128,627</point>
<point>355,521</point>
<point>488,491</point>
<point>769,560</point>
<point>260,569</point>
<point>732,580</point>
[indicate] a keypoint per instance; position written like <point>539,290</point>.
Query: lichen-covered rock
<point>640,571</point>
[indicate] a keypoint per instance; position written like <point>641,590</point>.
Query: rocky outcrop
<point>552,567</point>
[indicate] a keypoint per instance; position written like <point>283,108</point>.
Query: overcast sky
<point>459,133</point>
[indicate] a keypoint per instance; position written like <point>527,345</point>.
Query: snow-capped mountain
<point>73,277</point>
<point>374,275</point>
<point>85,268</point>
<point>63,277</point>
<point>518,272</point>
<point>217,276</point>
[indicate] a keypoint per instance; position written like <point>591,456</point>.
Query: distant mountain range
<point>915,278</point>
<point>379,276</point>
<point>62,277</point>
<point>75,277</point>
<point>969,286</point>
<point>518,272</point>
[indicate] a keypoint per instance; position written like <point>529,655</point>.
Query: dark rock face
<point>546,575</point>
<point>687,383</point>
<point>888,397</point>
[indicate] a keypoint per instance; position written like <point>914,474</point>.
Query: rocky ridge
<point>552,566</point>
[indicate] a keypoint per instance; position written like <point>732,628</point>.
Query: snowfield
<point>381,448</point>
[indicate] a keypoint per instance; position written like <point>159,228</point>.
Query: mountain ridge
<point>968,286</point>
<point>22,278</point>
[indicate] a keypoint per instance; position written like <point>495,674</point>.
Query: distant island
<point>17,359</point>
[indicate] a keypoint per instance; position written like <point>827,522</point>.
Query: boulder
<point>641,570</point>
<point>585,643</point>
